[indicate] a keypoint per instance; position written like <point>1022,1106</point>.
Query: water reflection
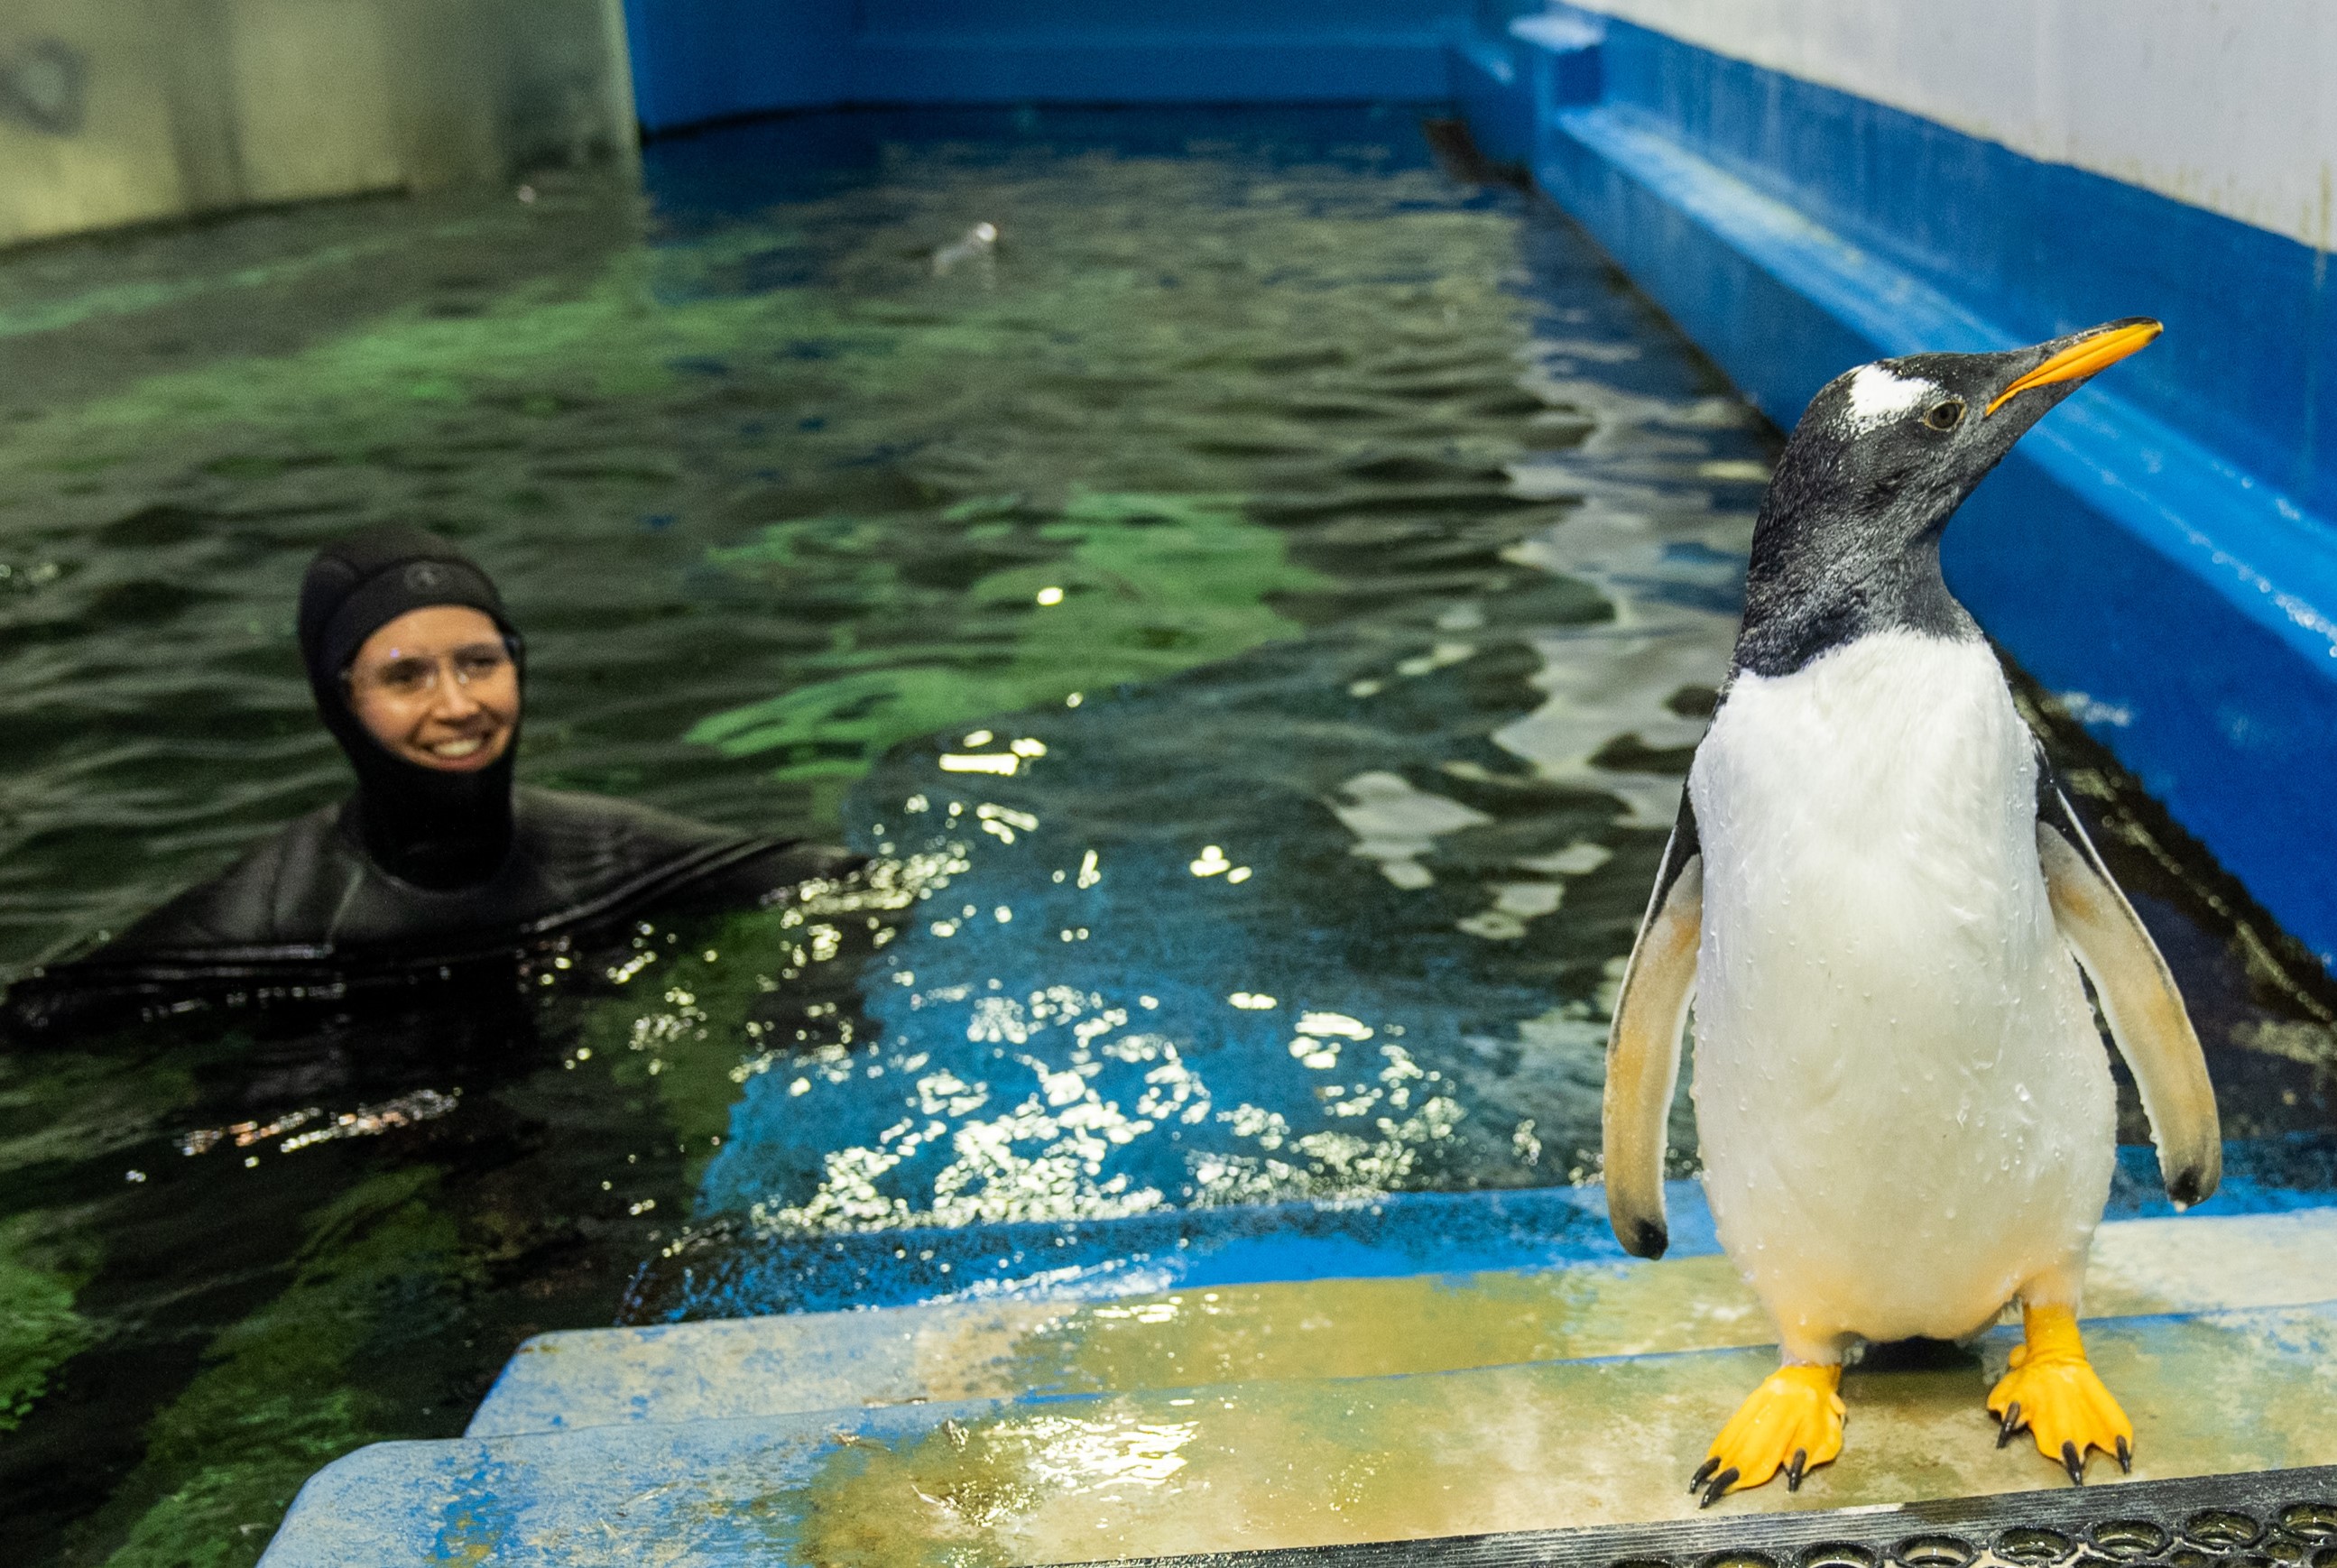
<point>1256,934</point>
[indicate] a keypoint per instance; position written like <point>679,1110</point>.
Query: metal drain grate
<point>2271,1519</point>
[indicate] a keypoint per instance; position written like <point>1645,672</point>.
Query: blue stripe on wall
<point>2038,249</point>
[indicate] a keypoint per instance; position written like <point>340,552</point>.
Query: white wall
<point>186,106</point>
<point>2226,104</point>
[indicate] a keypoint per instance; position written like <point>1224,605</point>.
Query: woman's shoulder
<point>277,894</point>
<point>613,857</point>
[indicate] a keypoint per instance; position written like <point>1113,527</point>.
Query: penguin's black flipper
<point>1643,1049</point>
<point>2137,996</point>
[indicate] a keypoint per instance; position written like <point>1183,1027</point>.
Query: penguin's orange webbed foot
<point>2053,1392</point>
<point>1791,1422</point>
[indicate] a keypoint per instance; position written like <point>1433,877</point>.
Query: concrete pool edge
<point>1312,1328</point>
<point>2198,642</point>
<point>1520,1446</point>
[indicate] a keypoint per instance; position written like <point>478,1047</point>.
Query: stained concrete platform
<point>1295,1330</point>
<point>1250,1465</point>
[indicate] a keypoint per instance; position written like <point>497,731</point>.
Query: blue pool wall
<point>2159,547</point>
<point>696,61</point>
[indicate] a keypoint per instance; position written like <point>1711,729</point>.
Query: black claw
<point>1719,1488</point>
<point>2126,1457</point>
<point>2011,1428</point>
<point>2074,1463</point>
<point>1793,1468</point>
<point>1703,1474</point>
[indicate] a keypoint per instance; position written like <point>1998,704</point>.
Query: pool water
<point>1256,610</point>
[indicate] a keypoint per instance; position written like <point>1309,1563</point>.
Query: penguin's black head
<point>1848,542</point>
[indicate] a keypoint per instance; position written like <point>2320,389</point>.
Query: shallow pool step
<point>1294,1330</point>
<point>1249,1465</point>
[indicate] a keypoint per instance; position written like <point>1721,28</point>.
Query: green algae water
<point>1255,607</point>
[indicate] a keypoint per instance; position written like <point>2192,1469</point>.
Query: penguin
<point>1879,904</point>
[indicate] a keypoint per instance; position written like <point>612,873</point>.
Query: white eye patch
<point>1877,396</point>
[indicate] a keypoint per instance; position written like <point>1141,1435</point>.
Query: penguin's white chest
<point>1905,1112</point>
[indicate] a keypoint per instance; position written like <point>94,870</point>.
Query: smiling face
<point>437,687</point>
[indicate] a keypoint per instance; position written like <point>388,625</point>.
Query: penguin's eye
<point>1945,416</point>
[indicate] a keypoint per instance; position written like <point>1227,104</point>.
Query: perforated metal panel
<point>2272,1519</point>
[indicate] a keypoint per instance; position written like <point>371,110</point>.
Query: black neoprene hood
<point>428,826</point>
<point>360,582</point>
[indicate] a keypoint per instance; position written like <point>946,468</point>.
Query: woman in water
<point>438,859</point>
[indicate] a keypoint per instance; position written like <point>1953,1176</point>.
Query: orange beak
<point>2084,358</point>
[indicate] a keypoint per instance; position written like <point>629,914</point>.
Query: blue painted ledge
<point>2117,554</point>
<point>1400,1233</point>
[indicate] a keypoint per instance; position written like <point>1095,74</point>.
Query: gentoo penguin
<point>1878,902</point>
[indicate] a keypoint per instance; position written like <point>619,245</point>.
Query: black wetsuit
<point>424,873</point>
<point>575,863</point>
